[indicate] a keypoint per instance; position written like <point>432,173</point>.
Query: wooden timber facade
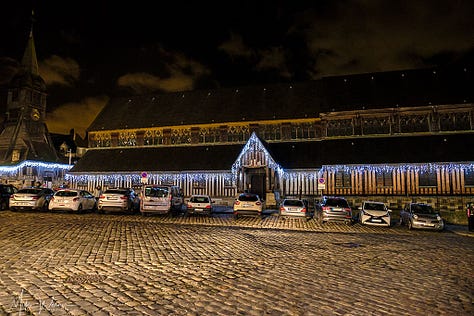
<point>386,134</point>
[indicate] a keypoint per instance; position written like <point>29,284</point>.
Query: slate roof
<point>393,150</point>
<point>289,101</point>
<point>189,158</point>
<point>41,151</point>
<point>290,155</point>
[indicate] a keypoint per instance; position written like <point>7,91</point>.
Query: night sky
<point>89,51</point>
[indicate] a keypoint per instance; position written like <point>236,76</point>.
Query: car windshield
<point>422,209</point>
<point>156,191</point>
<point>248,198</point>
<point>116,191</point>
<point>337,202</point>
<point>66,193</point>
<point>374,206</point>
<point>293,203</point>
<point>199,199</point>
<point>29,191</point>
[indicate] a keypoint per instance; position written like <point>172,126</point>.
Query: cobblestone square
<point>90,264</point>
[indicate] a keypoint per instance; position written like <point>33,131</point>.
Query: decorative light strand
<point>12,169</point>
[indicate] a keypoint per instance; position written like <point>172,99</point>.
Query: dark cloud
<point>89,48</point>
<point>367,36</point>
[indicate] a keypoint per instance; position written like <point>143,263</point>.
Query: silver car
<point>334,208</point>
<point>294,207</point>
<point>420,215</point>
<point>374,213</point>
<point>118,199</point>
<point>31,199</point>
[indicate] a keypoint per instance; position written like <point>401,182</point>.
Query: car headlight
<point>438,218</point>
<point>415,216</point>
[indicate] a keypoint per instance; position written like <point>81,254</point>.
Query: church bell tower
<point>25,135</point>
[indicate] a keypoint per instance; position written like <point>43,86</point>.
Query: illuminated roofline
<point>31,163</point>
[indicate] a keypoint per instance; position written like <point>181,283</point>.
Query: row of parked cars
<point>335,208</point>
<point>163,199</point>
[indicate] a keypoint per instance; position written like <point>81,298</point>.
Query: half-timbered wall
<point>434,179</point>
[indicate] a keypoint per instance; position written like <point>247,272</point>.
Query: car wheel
<point>410,225</point>
<point>401,221</point>
<point>45,206</point>
<point>79,208</point>
<point>3,206</point>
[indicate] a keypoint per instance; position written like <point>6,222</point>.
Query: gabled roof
<point>289,101</point>
<point>167,159</point>
<point>288,155</point>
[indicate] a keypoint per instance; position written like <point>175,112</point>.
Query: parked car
<point>374,213</point>
<point>72,200</point>
<point>31,199</point>
<point>333,208</point>
<point>248,204</point>
<point>161,199</point>
<point>199,204</point>
<point>294,207</point>
<point>118,199</point>
<point>421,215</point>
<point>6,190</point>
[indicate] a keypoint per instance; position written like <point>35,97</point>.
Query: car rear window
<point>293,203</point>
<point>337,203</point>
<point>116,191</point>
<point>29,191</point>
<point>199,199</point>
<point>66,193</point>
<point>248,197</point>
<point>156,191</point>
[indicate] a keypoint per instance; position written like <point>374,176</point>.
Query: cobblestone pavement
<point>90,264</point>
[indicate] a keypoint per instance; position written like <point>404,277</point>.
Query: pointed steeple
<point>29,61</point>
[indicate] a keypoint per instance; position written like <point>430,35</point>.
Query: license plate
<point>198,209</point>
<point>376,220</point>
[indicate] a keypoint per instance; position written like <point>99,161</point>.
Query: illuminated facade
<point>382,135</point>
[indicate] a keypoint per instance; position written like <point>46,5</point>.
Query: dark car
<point>6,190</point>
<point>333,208</point>
<point>421,215</point>
<point>31,199</point>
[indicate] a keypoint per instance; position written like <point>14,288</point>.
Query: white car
<point>72,200</point>
<point>199,204</point>
<point>374,213</point>
<point>248,204</point>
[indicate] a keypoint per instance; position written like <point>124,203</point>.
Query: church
<point>27,154</point>
<point>396,136</point>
